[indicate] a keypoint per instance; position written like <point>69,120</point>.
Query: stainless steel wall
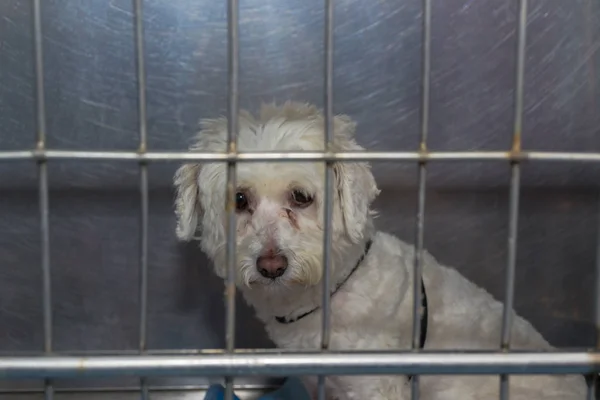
<point>91,104</point>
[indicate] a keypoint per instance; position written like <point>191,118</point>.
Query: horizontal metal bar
<point>244,351</point>
<point>154,352</point>
<point>126,389</point>
<point>340,363</point>
<point>406,156</point>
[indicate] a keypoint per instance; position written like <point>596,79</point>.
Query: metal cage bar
<point>515,187</point>
<point>40,104</point>
<point>422,185</point>
<point>232,132</point>
<point>144,212</point>
<point>328,186</point>
<point>169,353</point>
<point>301,156</point>
<point>594,379</point>
<point>103,390</point>
<point>316,363</point>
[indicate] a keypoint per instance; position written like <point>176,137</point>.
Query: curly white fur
<point>373,309</point>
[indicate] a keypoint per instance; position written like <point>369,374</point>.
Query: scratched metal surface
<point>91,104</point>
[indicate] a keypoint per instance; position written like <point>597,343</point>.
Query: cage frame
<point>231,362</point>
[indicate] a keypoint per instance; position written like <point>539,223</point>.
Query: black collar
<point>285,320</point>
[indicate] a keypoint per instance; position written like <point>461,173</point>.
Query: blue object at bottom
<point>292,389</point>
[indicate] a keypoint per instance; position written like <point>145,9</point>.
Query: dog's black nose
<point>272,267</point>
<point>271,274</point>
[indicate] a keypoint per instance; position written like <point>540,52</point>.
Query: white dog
<point>279,262</point>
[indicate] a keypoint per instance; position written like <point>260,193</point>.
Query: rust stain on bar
<point>423,153</point>
<point>516,144</point>
<point>230,202</point>
<point>515,155</point>
<point>232,148</point>
<point>230,290</point>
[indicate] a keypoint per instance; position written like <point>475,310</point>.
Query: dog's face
<point>279,205</point>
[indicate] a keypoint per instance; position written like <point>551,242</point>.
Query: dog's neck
<point>291,302</point>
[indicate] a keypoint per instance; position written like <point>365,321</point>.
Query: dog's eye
<point>241,201</point>
<point>300,199</point>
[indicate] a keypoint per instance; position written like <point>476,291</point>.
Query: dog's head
<point>279,205</point>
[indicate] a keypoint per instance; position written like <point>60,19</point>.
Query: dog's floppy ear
<point>188,208</point>
<point>187,201</point>
<point>354,181</point>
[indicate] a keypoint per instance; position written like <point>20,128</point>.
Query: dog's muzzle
<point>272,266</point>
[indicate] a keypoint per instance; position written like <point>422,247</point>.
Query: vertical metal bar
<point>39,75</point>
<point>46,273</point>
<point>141,72</point>
<point>597,305</point>
<point>327,204</point>
<point>591,384</point>
<point>512,255</point>
<point>43,179</point>
<point>43,185</point>
<point>232,131</point>
<point>515,186</point>
<point>143,289</point>
<point>426,74</point>
<point>422,184</point>
<point>327,207</point>
<point>144,213</point>
<point>595,379</point>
